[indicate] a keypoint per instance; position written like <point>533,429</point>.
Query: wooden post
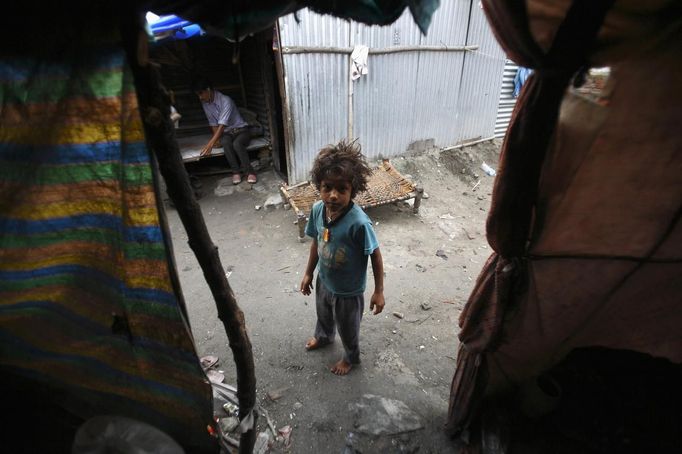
<point>301,226</point>
<point>154,106</point>
<point>418,199</point>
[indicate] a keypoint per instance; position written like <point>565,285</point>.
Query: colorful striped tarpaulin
<point>86,302</point>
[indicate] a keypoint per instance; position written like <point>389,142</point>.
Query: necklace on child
<point>329,221</point>
<point>326,234</point>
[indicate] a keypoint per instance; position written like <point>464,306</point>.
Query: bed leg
<point>418,199</point>
<point>301,226</point>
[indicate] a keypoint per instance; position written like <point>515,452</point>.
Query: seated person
<point>227,124</point>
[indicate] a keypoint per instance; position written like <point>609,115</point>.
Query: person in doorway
<point>522,74</point>
<point>343,238</point>
<point>229,130</point>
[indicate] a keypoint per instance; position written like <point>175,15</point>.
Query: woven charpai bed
<point>386,185</point>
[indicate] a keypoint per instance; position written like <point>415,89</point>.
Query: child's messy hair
<point>342,160</point>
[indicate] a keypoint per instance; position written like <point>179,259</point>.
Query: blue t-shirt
<point>342,264</point>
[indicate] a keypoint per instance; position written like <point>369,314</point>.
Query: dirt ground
<point>409,359</point>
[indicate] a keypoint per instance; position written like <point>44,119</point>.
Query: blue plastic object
<point>174,27</point>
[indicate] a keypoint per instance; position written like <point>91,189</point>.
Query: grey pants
<point>235,146</point>
<point>339,312</point>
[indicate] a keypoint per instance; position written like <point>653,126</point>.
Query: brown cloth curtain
<point>584,221</point>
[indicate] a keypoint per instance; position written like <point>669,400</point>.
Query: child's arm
<point>307,282</point>
<point>377,302</point>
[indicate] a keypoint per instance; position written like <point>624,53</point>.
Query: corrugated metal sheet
<point>445,97</point>
<point>316,87</point>
<point>440,76</point>
<point>507,101</point>
<point>382,121</point>
<point>481,80</point>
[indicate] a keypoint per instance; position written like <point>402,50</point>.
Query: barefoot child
<point>343,237</point>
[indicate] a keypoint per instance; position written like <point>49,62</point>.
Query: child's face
<point>336,194</point>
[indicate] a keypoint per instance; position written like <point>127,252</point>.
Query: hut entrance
<point>243,71</point>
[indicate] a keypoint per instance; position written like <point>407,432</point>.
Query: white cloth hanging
<point>359,61</point>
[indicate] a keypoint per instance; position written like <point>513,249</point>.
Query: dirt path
<point>409,359</point>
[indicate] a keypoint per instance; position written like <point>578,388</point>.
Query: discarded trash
<point>425,306</point>
<point>231,409</point>
<point>258,207</point>
<point>298,405</point>
<point>285,433</point>
<point>277,394</point>
<point>208,361</point>
<point>420,268</point>
<point>223,394</point>
<point>421,347</point>
<point>261,445</point>
<point>399,315</point>
<point>274,201</point>
<point>228,424</point>
<point>349,448</point>
<point>215,376</point>
<point>446,216</point>
<point>488,170</point>
<point>441,253</point>
<point>425,196</point>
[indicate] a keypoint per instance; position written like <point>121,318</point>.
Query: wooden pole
<point>154,105</point>
<point>375,51</point>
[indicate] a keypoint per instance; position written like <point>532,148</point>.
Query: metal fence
<point>440,89</point>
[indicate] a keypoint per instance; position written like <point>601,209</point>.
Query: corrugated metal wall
<point>316,87</point>
<point>481,80</point>
<point>507,100</point>
<point>443,96</point>
<point>384,103</point>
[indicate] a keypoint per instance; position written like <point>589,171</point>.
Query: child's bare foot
<point>312,344</point>
<point>342,367</point>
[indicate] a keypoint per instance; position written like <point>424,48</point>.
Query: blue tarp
<point>174,27</point>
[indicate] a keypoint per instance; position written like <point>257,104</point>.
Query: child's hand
<point>306,284</point>
<point>376,304</point>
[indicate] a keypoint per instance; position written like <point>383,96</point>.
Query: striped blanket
<point>86,302</point>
